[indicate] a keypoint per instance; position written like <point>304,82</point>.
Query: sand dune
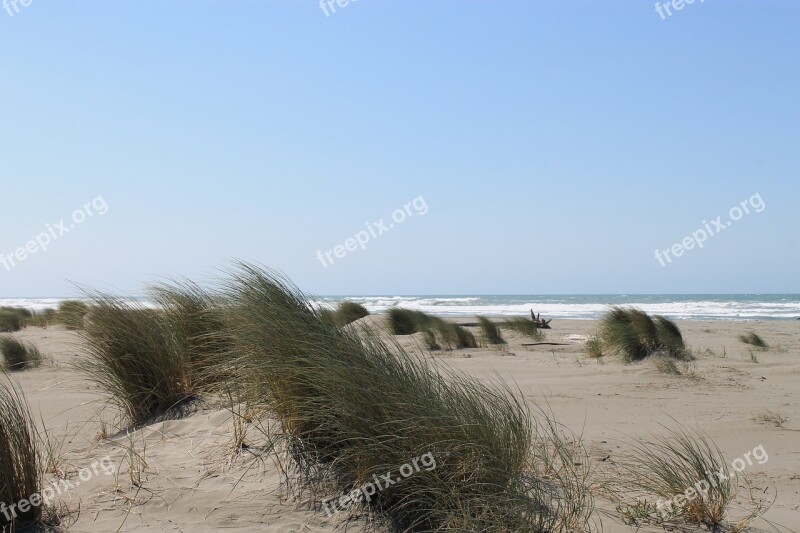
<point>192,480</point>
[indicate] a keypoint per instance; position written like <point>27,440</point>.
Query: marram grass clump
<point>151,362</point>
<point>198,320</point>
<point>19,355</point>
<point>688,478</point>
<point>669,337</point>
<point>71,314</point>
<point>490,331</point>
<point>450,336</point>
<point>137,359</point>
<point>525,327</point>
<point>594,347</point>
<point>407,322</point>
<point>13,318</point>
<point>346,313</point>
<point>41,319</point>
<point>635,335</point>
<point>754,339</point>
<point>20,461</point>
<point>437,332</point>
<point>352,407</point>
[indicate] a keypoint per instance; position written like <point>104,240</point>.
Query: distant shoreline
<point>724,307</point>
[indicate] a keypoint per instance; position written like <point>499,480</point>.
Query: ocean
<point>680,306</point>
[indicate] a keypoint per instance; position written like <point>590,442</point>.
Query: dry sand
<point>192,482</point>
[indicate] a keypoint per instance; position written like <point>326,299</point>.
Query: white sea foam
<point>558,308</point>
<point>699,307</point>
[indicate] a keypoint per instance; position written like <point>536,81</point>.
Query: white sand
<point>191,484</point>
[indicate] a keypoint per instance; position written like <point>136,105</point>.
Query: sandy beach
<point>400,267</point>
<point>187,479</point>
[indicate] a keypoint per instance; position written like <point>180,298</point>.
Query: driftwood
<point>540,322</point>
<point>546,343</point>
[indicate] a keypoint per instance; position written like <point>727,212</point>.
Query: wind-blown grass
<point>352,406</point>
<point>20,466</point>
<point>199,324</point>
<point>525,327</point>
<point>346,313</point>
<point>490,331</point>
<point>635,335</point>
<point>669,337</point>
<point>71,314</point>
<point>594,347</point>
<point>349,312</point>
<point>13,318</point>
<point>41,319</point>
<point>406,322</point>
<point>682,459</point>
<point>137,359</point>
<point>450,336</point>
<point>437,332</point>
<point>754,339</point>
<point>19,355</point>
<point>149,361</point>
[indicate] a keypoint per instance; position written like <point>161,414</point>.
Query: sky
<point>401,147</point>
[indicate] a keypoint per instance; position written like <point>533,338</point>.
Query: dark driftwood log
<point>546,343</point>
<point>539,321</point>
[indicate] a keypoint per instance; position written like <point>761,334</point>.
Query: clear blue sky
<point>557,144</point>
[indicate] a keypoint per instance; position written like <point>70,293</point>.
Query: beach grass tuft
<point>353,407</point>
<point>679,461</point>
<point>71,314</point>
<point>137,357</point>
<point>20,463</point>
<point>13,318</point>
<point>19,355</point>
<point>754,339</point>
<point>525,327</point>
<point>594,347</point>
<point>635,335</point>
<point>670,338</point>
<point>437,332</point>
<point>450,336</point>
<point>490,331</point>
<point>198,322</point>
<point>349,312</point>
<point>406,322</point>
<point>41,319</point>
<point>346,313</point>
